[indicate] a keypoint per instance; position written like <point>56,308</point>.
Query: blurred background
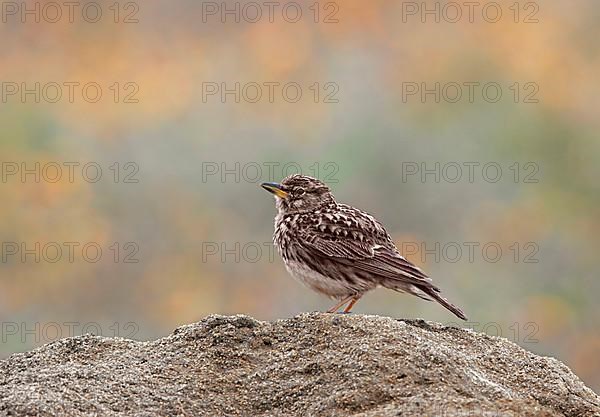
<point>135,136</point>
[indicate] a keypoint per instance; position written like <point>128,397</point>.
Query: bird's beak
<point>274,188</point>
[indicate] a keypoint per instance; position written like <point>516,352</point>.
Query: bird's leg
<point>336,307</point>
<point>349,306</point>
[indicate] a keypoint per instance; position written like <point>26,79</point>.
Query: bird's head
<point>299,193</point>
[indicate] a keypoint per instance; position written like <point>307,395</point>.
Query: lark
<point>338,250</point>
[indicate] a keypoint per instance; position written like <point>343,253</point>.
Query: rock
<point>310,365</point>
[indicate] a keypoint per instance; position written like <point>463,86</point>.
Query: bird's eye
<point>299,191</point>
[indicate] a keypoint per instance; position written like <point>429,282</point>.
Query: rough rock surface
<point>310,365</point>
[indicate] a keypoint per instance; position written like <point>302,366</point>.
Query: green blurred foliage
<point>173,212</point>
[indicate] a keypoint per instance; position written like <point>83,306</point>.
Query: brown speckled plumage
<point>338,250</point>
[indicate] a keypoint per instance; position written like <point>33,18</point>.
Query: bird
<point>338,250</point>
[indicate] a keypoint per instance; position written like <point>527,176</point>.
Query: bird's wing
<point>355,238</point>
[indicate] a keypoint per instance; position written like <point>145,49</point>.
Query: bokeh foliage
<point>173,211</point>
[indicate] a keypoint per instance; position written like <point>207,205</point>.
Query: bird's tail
<point>434,293</point>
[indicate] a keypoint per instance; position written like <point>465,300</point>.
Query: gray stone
<point>310,365</point>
